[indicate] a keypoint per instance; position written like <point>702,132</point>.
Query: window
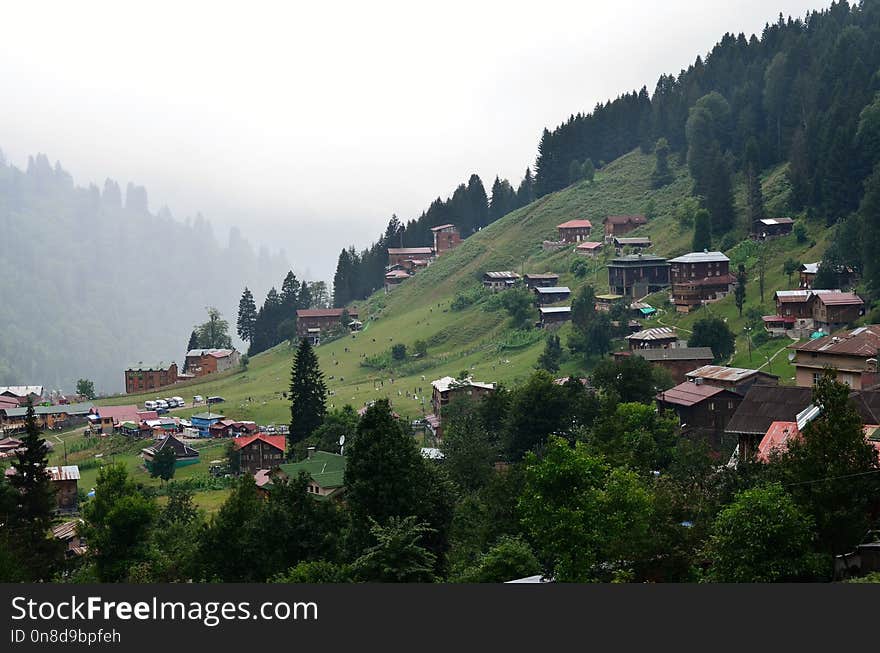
<point>816,377</point>
<point>711,405</point>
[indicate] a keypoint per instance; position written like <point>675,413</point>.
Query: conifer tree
<point>304,299</point>
<point>702,231</point>
<point>754,195</point>
<point>193,341</point>
<point>662,175</point>
<point>525,193</point>
<point>308,394</point>
<point>247,316</point>
<point>289,293</point>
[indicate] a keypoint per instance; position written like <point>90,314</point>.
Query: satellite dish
<point>341,440</point>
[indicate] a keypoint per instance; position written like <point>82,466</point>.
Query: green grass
<point>474,338</point>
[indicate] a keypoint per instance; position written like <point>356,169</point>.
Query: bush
<point>800,233</point>
<point>398,352</point>
<point>579,268</point>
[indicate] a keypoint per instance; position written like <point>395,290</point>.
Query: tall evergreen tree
<point>754,195</point>
<point>525,192</point>
<point>247,316</point>
<point>662,175</point>
<point>719,197</point>
<point>193,341</point>
<point>289,293</point>
<point>305,296</point>
<point>308,394</point>
<point>702,231</point>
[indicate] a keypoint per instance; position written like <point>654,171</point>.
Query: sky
<point>307,125</point>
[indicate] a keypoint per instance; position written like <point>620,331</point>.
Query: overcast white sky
<point>309,124</point>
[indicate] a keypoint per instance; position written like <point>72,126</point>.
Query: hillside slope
<point>478,338</point>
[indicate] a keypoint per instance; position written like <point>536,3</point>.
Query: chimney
<point>310,450</point>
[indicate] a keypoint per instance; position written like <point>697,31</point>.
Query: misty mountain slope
<point>90,284</point>
<point>479,337</point>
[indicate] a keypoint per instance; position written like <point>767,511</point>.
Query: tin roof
<point>864,341</point>
<point>772,221</point>
<point>624,219</point>
<point>326,469</point>
<point>553,310</point>
<point>688,394</point>
<point>701,257</point>
<point>640,240</point>
<point>552,290</point>
<point>410,250</point>
<point>64,473</point>
<point>448,383</point>
<point>675,354</point>
<point>589,245</point>
<point>799,296</point>
<point>657,333</point>
<point>721,373</point>
<point>22,390</point>
<point>840,299</point>
<point>442,226</point>
<point>503,274</point>
<point>546,275</point>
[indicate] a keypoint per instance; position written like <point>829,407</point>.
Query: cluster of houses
<point>143,377</point>
<point>404,262</point>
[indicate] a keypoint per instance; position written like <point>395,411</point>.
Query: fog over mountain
<point>91,280</point>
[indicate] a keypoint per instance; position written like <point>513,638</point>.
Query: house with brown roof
<point>637,275</point>
<point>761,406</point>
<point>394,278</point>
<point>545,280</point>
<point>184,454</point>
<point>143,377</point>
<point>574,231</point>
<point>551,295</point>
<point>853,354</point>
<point>832,311</point>
<point>64,481</point>
<point>260,451</point>
<point>655,338</point>
<point>699,278</point>
<point>634,244</point>
<point>446,238</point>
<point>501,280</point>
<point>618,225</point>
<point>591,248</point>
<point>312,323</point>
<point>678,361</point>
<point>737,379</point>
<point>702,410</point>
<point>772,228</point>
<point>402,255</point>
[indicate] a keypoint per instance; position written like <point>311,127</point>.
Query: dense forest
<point>93,281</point>
<point>803,94</point>
<point>359,274</point>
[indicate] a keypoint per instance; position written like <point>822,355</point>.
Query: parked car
<point>150,405</point>
<point>198,399</point>
<point>161,411</point>
<point>216,400</point>
<point>161,403</point>
<point>180,402</point>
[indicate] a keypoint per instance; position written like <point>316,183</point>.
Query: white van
<point>180,402</point>
<point>161,403</point>
<point>150,405</point>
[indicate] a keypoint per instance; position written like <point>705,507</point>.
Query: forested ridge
<point>803,94</point>
<point>92,281</point>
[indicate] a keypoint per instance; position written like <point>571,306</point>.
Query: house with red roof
<point>200,362</point>
<point>574,231</point>
<point>259,452</point>
<point>776,440</point>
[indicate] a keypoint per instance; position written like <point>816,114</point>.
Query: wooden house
<point>446,238</point>
<point>496,281</point>
<point>312,323</point>
<point>184,454</point>
<point>655,338</point>
<point>591,248</point>
<point>637,275</point>
<point>552,294</point>
<point>325,471</point>
<point>574,231</point>
<point>553,315</point>
<point>618,225</point>
<point>702,410</point>
<point>699,278</point>
<point>143,377</point>
<point>400,255</point>
<point>546,280</point>
<point>260,451</point>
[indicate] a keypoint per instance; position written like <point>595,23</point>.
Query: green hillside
<point>478,337</point>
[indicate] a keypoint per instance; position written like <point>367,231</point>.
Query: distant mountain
<point>91,280</point>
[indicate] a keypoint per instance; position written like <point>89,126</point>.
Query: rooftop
<point>546,275</point>
<point>864,341</point>
<point>799,296</point>
<point>552,290</point>
<point>675,354</point>
<point>140,366</point>
<point>721,373</point>
<point>638,240</point>
<point>70,409</point>
<point>688,394</point>
<point>503,274</point>
<point>701,257</point>
<point>772,221</point>
<point>657,333</point>
<point>575,224</point>
<point>550,310</point>
<point>442,227</point>
<point>325,312</point>
<point>217,353</point>
<point>589,245</point>
<point>637,259</point>
<point>410,250</point>
<point>840,299</point>
<point>63,473</point>
<point>448,383</point>
<point>277,441</point>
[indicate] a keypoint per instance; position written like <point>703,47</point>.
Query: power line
<point>833,478</point>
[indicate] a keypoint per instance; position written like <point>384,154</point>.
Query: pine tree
<point>740,291</point>
<point>662,175</point>
<point>304,299</point>
<point>552,356</point>
<point>308,394</point>
<point>289,293</point>
<point>247,316</point>
<point>525,193</point>
<point>193,341</point>
<point>754,195</point>
<point>702,231</point>
<point>719,197</point>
